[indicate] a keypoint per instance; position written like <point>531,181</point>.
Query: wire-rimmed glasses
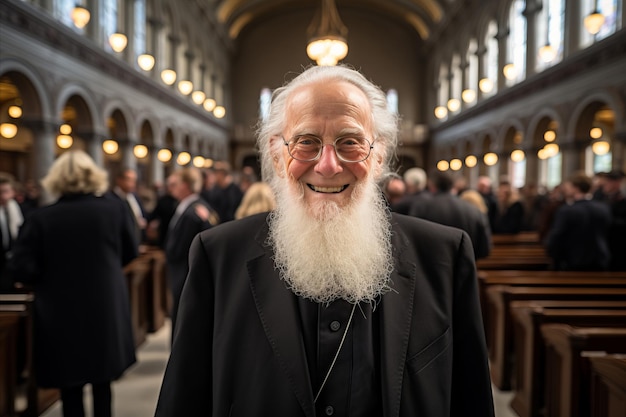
<point>307,148</point>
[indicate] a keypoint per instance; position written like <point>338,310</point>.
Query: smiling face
<point>327,111</point>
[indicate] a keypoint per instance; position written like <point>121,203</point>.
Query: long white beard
<point>326,252</point>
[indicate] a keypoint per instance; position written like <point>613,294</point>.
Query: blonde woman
<point>71,253</point>
<point>257,199</point>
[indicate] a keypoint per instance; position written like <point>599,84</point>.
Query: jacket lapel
<point>396,316</point>
<point>281,324</point>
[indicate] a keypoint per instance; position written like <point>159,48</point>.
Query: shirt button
<point>334,326</point>
<point>329,410</point>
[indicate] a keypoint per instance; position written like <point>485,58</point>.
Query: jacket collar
<point>281,324</point>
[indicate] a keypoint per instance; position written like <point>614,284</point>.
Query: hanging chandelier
<point>327,36</point>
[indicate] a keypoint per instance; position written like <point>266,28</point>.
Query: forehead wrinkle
<point>320,106</point>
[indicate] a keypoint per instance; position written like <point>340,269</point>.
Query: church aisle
<point>135,395</point>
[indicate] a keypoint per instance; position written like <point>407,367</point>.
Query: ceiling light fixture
<point>327,36</point>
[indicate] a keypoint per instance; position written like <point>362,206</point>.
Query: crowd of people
<point>581,222</point>
<point>266,276</point>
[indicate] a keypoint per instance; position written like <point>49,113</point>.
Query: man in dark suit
<point>446,208</point>
<point>124,190</point>
<point>192,215</point>
<point>331,304</point>
<point>578,238</point>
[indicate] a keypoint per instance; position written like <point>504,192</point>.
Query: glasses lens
<point>305,148</point>
<point>352,149</point>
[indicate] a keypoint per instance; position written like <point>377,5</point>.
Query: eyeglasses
<point>307,148</point>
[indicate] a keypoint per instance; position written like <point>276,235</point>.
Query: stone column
<point>480,54</point>
<point>154,46</point>
<point>502,36</point>
<point>44,144</point>
<point>532,44</point>
<point>572,27</point>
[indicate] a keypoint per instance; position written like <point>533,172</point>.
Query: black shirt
<point>353,387</point>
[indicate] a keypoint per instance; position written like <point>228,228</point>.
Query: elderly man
<point>329,305</point>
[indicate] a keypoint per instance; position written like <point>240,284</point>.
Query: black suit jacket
<point>238,348</point>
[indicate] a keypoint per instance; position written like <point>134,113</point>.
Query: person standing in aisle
<point>71,253</point>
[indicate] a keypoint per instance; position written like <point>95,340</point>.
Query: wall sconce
<point>140,151</point>
<point>8,130</point>
<point>549,135</point>
<point>594,21</point>
<point>198,97</point>
<point>80,16</point>
<point>595,133</point>
<point>518,155</point>
<point>551,149</point>
<point>454,104</point>
<point>219,112</point>
<point>185,87</point>
<point>64,141</point>
<point>471,161</point>
<point>209,104</point>
<point>443,165</point>
<point>456,164</point>
<point>183,158</point>
<point>118,41</point>
<point>198,161</point>
<point>110,146</point>
<point>547,53</point>
<point>15,111</point>
<point>441,112</point>
<point>145,62</point>
<point>601,147</point>
<point>509,71</point>
<point>164,155</point>
<point>468,95</point>
<point>168,76</point>
<point>490,159</point>
<point>485,85</point>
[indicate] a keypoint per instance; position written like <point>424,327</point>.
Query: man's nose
<point>328,164</point>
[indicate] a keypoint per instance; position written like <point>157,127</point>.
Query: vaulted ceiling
<point>426,17</point>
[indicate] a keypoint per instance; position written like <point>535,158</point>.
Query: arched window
<point>441,111</point>
<point>550,29</point>
<point>454,103</point>
<point>471,74</point>
<point>139,29</point>
<point>392,100</point>
<point>62,10</point>
<point>110,18</point>
<point>265,100</point>
<point>489,84</point>
<point>515,68</point>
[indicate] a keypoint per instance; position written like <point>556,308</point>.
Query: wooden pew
<point>500,333</point>
<point>138,274</point>
<point>545,279</point>
<point>522,238</point>
<point>568,374</point>
<point>608,386</point>
<point>19,362</point>
<point>529,346</point>
<point>157,285</point>
<point>515,257</point>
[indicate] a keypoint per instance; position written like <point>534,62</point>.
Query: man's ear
<point>377,165</point>
<point>279,166</point>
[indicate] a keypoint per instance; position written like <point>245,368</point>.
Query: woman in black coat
<point>72,253</point>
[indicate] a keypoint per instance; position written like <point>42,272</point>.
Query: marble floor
<point>135,395</point>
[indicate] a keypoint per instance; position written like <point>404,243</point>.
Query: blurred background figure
<point>510,214</point>
<point>125,190</point>
<point>228,195</point>
<point>72,253</point>
<point>11,219</point>
<point>485,187</point>
<point>159,218</point>
<point>258,198</point>
<point>247,178</point>
<point>614,195</point>
<point>393,188</point>
<point>577,239</point>
<point>192,215</point>
<point>415,180</point>
<point>446,208</point>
